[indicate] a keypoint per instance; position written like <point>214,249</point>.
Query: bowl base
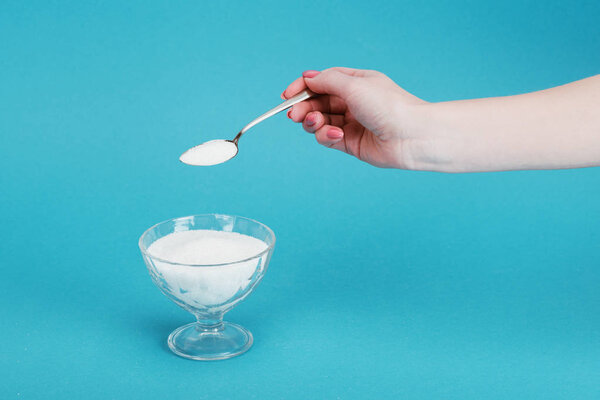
<point>191,341</point>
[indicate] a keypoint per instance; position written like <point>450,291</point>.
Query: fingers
<point>330,74</point>
<point>338,81</point>
<point>294,88</point>
<point>327,129</point>
<point>325,115</point>
<point>333,83</point>
<point>316,120</point>
<point>330,136</point>
<point>325,104</point>
<point>331,131</point>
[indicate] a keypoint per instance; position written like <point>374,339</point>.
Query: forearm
<point>553,128</point>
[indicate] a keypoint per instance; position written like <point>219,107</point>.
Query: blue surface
<point>384,284</point>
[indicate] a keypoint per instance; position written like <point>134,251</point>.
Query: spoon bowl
<point>208,153</point>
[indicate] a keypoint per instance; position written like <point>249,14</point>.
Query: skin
<point>365,114</point>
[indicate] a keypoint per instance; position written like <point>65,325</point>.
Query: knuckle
<point>374,73</point>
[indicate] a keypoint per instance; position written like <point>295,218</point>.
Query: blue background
<point>384,283</point>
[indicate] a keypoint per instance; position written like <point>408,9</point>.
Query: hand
<point>363,113</point>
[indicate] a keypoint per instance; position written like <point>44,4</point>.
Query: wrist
<point>427,143</point>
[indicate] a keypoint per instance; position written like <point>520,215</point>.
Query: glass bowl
<point>208,291</point>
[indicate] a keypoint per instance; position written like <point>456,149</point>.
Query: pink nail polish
<point>335,133</point>
<point>289,114</point>
<point>310,120</point>
<point>310,73</point>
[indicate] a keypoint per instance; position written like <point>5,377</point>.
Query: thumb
<point>331,81</point>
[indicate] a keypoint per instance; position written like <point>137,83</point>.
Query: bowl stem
<point>209,322</point>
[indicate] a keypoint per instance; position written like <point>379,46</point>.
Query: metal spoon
<point>218,151</point>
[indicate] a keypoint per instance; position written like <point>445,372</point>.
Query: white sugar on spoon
<point>210,153</point>
<point>218,151</point>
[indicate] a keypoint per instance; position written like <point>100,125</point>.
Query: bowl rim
<point>145,252</point>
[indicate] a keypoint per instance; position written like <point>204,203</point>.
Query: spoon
<point>218,151</point>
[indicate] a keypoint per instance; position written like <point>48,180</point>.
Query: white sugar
<point>205,285</point>
<point>206,247</point>
<point>210,153</point>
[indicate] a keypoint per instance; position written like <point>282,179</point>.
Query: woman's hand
<point>360,112</point>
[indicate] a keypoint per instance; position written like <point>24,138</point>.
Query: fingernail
<point>310,73</point>
<point>283,94</point>
<point>335,133</point>
<point>289,114</point>
<point>310,120</point>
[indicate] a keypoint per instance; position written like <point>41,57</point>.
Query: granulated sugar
<point>204,285</point>
<point>210,153</point>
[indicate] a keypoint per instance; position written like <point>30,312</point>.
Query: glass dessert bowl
<point>207,264</point>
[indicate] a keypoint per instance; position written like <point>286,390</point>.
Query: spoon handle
<point>303,95</point>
